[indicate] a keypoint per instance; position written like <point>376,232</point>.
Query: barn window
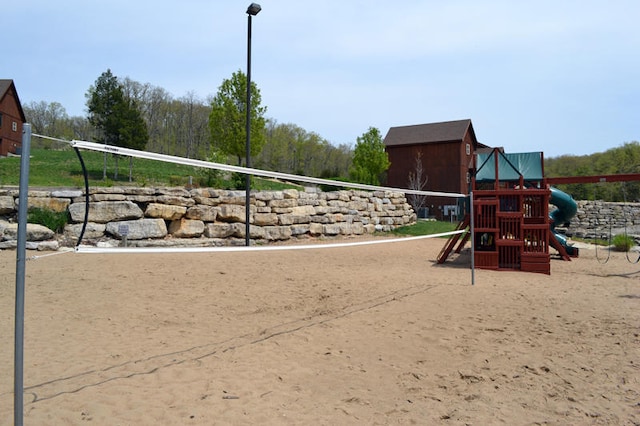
<point>0,120</point>
<point>468,149</point>
<point>14,126</point>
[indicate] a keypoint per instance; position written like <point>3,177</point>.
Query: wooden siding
<point>10,139</point>
<point>446,164</point>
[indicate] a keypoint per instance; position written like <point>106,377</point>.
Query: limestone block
<point>35,232</point>
<point>108,197</point>
<point>105,211</point>
<point>54,204</point>
<point>7,205</point>
<point>351,228</point>
<point>281,210</point>
<point>337,203</point>
<point>333,218</point>
<point>291,219</point>
<point>306,210</point>
<point>106,190</point>
<point>232,213</point>
<point>142,199</point>
<point>274,233</point>
<point>298,230</point>
<point>321,219</point>
<point>255,232</point>
<point>202,212</point>
<point>265,219</point>
<point>186,228</point>
<point>93,230</point>
<point>316,229</point>
<point>165,211</point>
<point>66,193</point>
<point>218,230</point>
<point>173,191</point>
<point>138,229</point>
<point>140,191</point>
<point>240,200</point>
<point>291,193</point>
<point>268,195</point>
<point>286,203</point>
<point>358,205</point>
<point>206,201</point>
<point>176,200</point>
<point>332,229</point>
<point>51,245</point>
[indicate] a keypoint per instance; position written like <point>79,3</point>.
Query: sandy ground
<point>367,335</point>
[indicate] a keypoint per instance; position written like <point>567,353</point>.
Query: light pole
<point>252,10</point>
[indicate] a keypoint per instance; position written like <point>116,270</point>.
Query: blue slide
<point>565,211</point>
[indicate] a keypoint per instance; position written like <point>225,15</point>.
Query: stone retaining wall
<point>202,217</point>
<point>596,219</point>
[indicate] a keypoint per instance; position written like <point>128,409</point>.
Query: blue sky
<point>562,77</point>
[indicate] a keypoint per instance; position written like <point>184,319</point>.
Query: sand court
<point>376,334</point>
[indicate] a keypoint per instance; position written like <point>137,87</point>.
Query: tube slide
<point>565,211</point>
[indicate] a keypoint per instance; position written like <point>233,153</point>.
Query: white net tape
<point>238,169</point>
<point>94,146</point>
<point>88,249</point>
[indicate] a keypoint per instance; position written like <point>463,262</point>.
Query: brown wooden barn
<point>11,119</point>
<point>445,151</point>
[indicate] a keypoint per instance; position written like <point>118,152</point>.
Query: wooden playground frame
<point>511,221</point>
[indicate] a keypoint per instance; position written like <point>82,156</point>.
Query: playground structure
<point>512,227</point>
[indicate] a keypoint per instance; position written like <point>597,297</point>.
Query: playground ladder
<point>453,239</point>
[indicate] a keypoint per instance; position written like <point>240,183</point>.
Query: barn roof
<point>447,131</point>
<point>5,86</point>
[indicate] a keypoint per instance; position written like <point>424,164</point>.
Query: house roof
<point>447,131</point>
<point>5,85</point>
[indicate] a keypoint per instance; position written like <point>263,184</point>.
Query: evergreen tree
<point>116,117</point>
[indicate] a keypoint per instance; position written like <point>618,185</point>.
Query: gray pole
<point>18,382</point>
<point>247,182</point>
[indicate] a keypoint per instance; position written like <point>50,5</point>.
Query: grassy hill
<point>61,168</point>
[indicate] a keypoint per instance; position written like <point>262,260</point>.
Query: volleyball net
<point>79,145</point>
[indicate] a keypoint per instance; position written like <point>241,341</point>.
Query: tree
<point>370,160</point>
<point>417,181</point>
<point>116,117</point>
<point>227,121</point>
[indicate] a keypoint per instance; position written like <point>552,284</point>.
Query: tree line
<point>214,129</point>
<point>620,160</point>
<point>131,114</point>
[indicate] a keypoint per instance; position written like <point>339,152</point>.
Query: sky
<point>561,77</point>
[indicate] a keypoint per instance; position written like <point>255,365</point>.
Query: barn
<point>440,154</point>
<point>11,119</point>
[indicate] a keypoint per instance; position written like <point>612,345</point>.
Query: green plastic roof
<point>510,166</point>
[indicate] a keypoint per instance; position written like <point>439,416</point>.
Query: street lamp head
<point>254,9</point>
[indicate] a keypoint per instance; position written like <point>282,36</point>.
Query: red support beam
<point>624,177</point>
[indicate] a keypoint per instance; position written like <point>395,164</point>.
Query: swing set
<point>625,177</point>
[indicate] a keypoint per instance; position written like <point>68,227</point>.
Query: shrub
<point>49,218</point>
<point>623,242</point>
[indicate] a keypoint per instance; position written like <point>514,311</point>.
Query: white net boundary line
<point>99,147</point>
<point>94,146</point>
<point>116,250</point>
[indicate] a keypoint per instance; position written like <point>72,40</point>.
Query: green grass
<point>596,241</point>
<point>623,242</point>
<point>52,220</point>
<point>61,168</point>
<point>425,227</point>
